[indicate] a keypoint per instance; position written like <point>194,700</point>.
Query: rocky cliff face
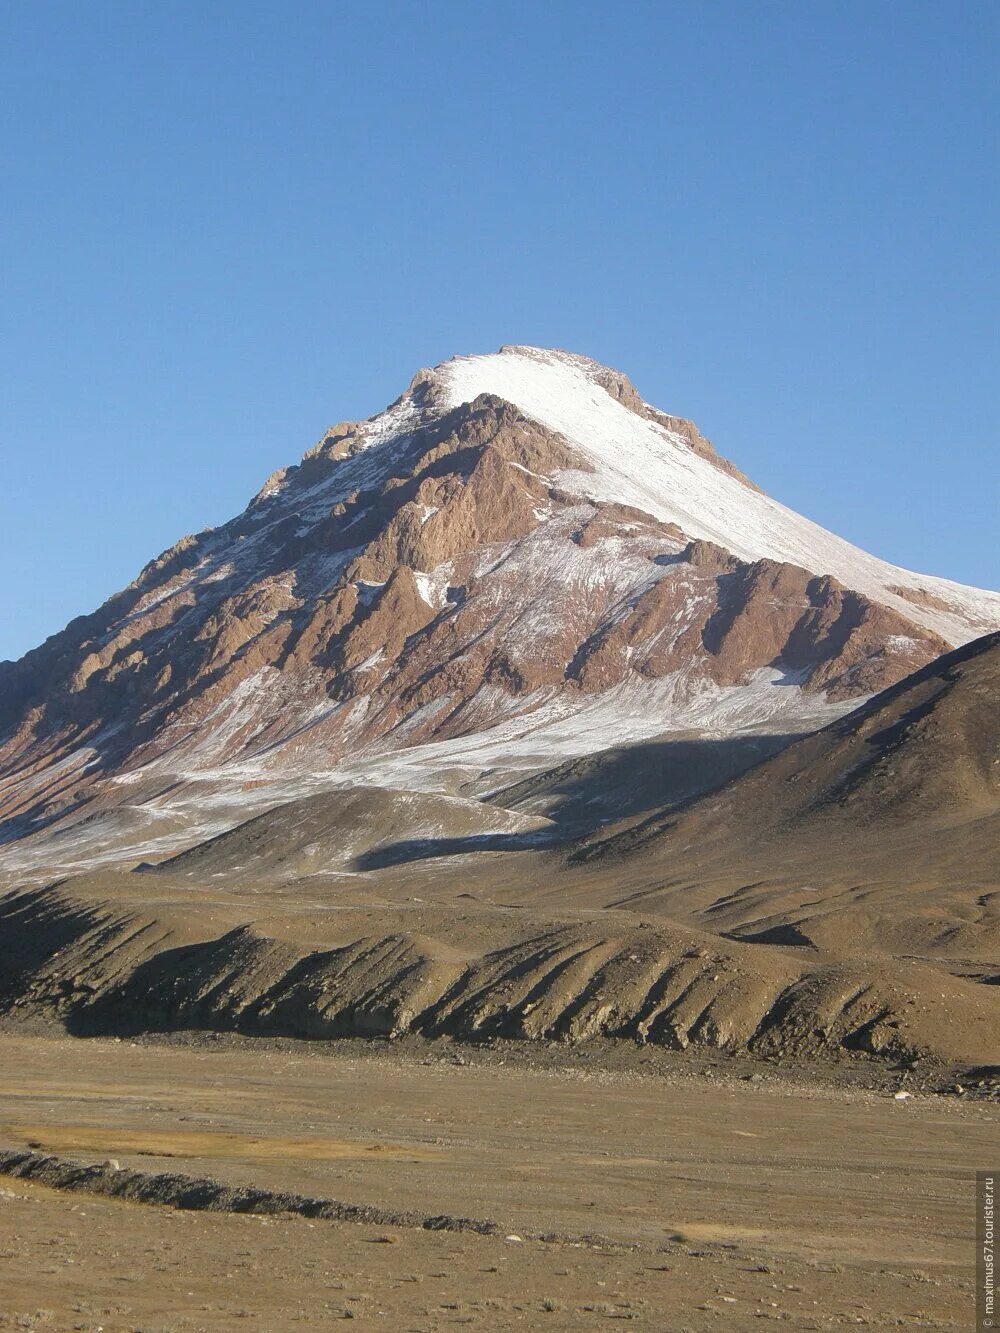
<point>517,544</point>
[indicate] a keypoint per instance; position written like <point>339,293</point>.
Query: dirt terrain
<point>837,902</point>
<point>480,885</point>
<point>675,1193</point>
<point>707,1031</point>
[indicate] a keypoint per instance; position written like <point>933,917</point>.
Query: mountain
<point>927,749</point>
<point>840,902</point>
<point>878,833</point>
<point>517,563</point>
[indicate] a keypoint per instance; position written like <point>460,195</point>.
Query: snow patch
<point>433,587</point>
<point>640,463</point>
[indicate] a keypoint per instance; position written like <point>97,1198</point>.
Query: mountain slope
<point>518,562</point>
<point>662,466</point>
<point>926,749</point>
<point>879,833</point>
<point>346,830</point>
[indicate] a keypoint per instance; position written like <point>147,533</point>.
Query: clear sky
<point>225,224</point>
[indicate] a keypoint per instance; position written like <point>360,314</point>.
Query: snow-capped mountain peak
<point>519,560</point>
<point>638,460</point>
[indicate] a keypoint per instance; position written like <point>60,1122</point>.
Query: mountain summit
<point>518,561</point>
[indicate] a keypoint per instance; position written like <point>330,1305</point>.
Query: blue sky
<point>224,225</point>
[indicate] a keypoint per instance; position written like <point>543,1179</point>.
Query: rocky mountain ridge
<point>519,547</point>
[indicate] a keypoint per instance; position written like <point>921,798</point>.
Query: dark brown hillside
<point>927,749</point>
<point>878,834</point>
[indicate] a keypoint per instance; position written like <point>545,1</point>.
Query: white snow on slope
<point>562,729</point>
<point>203,800</point>
<point>640,463</point>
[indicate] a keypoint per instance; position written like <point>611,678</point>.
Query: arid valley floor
<point>675,1193</point>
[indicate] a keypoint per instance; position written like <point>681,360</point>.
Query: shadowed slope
<point>880,833</point>
<point>341,830</point>
<point>927,749</point>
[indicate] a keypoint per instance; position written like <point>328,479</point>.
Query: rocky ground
<point>676,1193</point>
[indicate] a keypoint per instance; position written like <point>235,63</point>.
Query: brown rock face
<point>736,618</point>
<point>424,575</point>
<point>834,639</point>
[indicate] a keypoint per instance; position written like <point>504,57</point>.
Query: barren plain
<point>672,1193</point>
